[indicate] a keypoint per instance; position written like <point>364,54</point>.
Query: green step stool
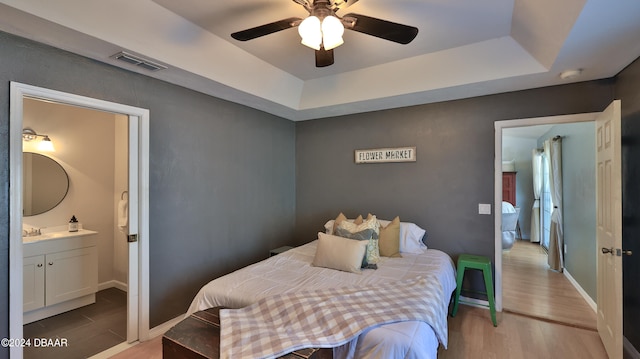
<point>469,261</point>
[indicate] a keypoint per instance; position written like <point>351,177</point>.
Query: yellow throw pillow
<point>389,241</point>
<point>341,217</point>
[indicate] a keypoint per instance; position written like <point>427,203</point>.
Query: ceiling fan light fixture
<point>332,31</point>
<point>309,30</point>
<point>322,30</point>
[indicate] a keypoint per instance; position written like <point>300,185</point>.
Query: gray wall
<point>579,201</point>
<point>454,169</point>
<point>628,90</point>
<point>222,175</point>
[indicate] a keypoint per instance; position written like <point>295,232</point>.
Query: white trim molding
<point>499,126</point>
<point>18,92</point>
<point>582,292</point>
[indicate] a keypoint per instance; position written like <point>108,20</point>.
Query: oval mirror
<point>45,183</point>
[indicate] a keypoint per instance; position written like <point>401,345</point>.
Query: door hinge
<point>132,238</point>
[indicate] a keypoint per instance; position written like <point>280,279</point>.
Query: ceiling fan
<point>323,29</point>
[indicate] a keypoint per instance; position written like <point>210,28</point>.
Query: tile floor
<point>88,330</point>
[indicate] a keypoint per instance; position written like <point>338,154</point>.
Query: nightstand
<point>277,251</point>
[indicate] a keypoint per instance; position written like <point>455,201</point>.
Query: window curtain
<point>556,238</point>
<point>537,189</point>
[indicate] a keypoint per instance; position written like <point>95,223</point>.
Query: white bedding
<point>292,271</point>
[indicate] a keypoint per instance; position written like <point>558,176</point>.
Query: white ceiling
<point>464,48</point>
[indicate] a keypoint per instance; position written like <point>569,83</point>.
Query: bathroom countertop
<point>56,235</point>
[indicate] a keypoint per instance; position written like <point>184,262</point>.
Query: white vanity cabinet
<point>33,283</point>
<point>60,274</point>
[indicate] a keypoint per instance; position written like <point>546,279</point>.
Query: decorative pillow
<point>330,226</point>
<point>389,241</point>
<point>410,237</point>
<point>363,235</point>
<point>339,253</point>
<point>341,217</point>
<point>373,252</point>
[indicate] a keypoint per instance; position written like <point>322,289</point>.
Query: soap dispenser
<point>73,224</point>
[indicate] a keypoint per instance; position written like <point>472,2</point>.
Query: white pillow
<point>410,237</point>
<point>339,253</point>
<point>328,227</point>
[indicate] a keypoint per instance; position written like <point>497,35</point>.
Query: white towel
<point>123,215</point>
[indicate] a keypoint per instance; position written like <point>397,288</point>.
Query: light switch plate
<point>484,208</point>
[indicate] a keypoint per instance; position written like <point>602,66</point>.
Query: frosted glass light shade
<point>332,31</point>
<point>46,145</point>
<point>309,30</point>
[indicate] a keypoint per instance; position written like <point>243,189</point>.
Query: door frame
<point>499,126</point>
<point>17,93</point>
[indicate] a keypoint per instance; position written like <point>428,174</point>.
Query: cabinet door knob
<point>39,265</point>
<point>50,263</point>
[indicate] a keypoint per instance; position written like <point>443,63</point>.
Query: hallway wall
<point>579,201</point>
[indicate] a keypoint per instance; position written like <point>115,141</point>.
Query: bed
<point>292,271</point>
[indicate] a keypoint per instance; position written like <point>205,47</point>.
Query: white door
<point>133,283</point>
<point>609,229</point>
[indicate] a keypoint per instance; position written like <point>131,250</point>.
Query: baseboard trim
<point>474,302</point>
<point>582,292</point>
<point>113,284</point>
<point>55,309</point>
<point>162,328</point>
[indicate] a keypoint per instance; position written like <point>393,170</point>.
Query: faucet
<point>32,232</point>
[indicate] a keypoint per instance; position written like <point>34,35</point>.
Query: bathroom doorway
<point>123,176</point>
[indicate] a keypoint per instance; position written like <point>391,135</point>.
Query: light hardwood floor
<point>151,349</point>
<point>472,335</point>
<point>531,288</point>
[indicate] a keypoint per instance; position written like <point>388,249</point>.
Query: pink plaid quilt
<point>279,324</point>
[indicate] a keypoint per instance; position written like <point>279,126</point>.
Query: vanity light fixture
<point>45,145</point>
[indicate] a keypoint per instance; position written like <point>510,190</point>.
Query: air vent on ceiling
<point>138,61</point>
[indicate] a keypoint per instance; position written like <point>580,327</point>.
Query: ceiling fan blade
<point>402,34</point>
<point>341,4</point>
<point>266,29</point>
<point>324,57</point>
